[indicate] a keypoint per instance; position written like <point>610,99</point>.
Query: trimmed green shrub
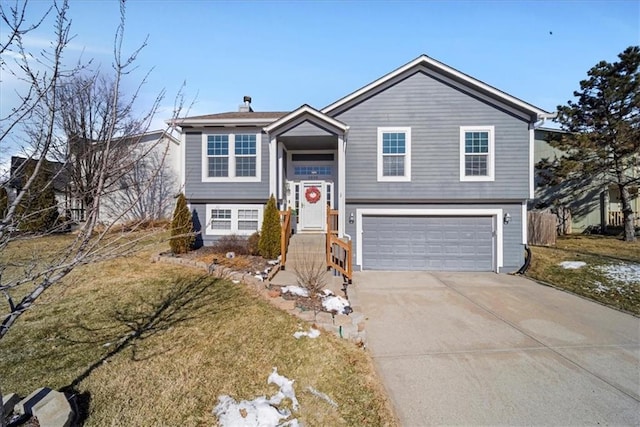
<point>253,244</point>
<point>270,234</point>
<point>182,237</point>
<point>38,209</point>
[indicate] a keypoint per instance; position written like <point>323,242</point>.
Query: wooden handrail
<point>616,219</point>
<point>339,253</point>
<point>285,235</point>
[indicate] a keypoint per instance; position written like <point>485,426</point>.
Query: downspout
<point>527,261</point>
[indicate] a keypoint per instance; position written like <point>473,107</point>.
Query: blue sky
<point>288,53</point>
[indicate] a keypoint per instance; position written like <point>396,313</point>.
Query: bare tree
<point>96,148</point>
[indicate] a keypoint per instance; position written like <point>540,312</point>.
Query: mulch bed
<point>240,263</point>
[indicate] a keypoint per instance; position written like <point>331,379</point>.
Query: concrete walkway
<point>483,348</point>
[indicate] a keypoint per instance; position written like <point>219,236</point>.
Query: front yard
<point>610,273</point>
<point>156,344</point>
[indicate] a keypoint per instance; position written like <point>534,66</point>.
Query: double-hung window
<point>218,155</point>
<point>477,153</point>
<point>394,154</point>
<point>231,157</point>
<point>233,219</point>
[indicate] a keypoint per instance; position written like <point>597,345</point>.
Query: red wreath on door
<point>312,194</point>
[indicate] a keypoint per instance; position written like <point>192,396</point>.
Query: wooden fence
<point>542,228</point>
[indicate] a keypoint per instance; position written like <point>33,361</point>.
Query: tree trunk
<point>627,211</point>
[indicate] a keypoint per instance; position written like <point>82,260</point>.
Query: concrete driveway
<point>483,348</point>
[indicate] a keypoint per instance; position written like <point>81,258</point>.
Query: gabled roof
<point>425,61</point>
<point>260,118</point>
<point>302,111</point>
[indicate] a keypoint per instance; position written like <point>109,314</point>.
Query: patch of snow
<point>313,333</point>
<point>273,262</point>
<point>286,389</point>
<point>328,292</point>
<point>259,277</point>
<point>259,412</point>
<point>322,396</point>
<point>627,272</point>
<point>337,304</point>
<point>295,290</point>
<point>235,281</point>
<point>600,288</point>
<point>572,265</point>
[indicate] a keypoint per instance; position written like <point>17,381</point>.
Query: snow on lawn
<point>295,290</point>
<point>572,265</point>
<point>259,412</point>
<point>628,273</point>
<point>313,333</point>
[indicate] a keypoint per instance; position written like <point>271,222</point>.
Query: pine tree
<point>182,237</point>
<point>38,210</point>
<point>603,131</point>
<point>270,234</point>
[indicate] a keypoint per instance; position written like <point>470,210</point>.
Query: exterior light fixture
<point>507,218</point>
<point>351,218</point>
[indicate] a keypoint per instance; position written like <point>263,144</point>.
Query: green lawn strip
<point>153,344</point>
<point>589,281</point>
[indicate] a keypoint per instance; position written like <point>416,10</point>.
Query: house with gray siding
<point>593,202</point>
<point>428,168</point>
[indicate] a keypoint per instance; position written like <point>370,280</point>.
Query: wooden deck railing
<point>616,219</point>
<point>339,252</point>
<point>285,235</point>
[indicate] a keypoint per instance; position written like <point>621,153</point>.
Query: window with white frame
<point>231,157</point>
<point>233,219</point>
<point>394,154</point>
<point>477,153</point>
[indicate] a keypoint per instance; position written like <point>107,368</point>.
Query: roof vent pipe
<point>246,107</point>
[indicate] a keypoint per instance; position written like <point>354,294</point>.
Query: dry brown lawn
<point>145,344</point>
<point>598,252</point>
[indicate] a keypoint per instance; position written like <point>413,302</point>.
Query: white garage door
<point>438,243</point>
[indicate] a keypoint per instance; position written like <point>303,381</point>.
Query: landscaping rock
<point>50,407</point>
<point>9,402</point>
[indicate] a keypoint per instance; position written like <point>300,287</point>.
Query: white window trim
<point>490,158</point>
<point>407,158</point>
<point>495,213</point>
<point>234,220</point>
<point>232,159</point>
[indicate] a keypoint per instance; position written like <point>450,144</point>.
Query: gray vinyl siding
<point>241,191</point>
<point>434,111</point>
<point>307,129</point>
<point>513,249</point>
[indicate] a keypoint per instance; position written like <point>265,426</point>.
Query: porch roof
<point>300,114</point>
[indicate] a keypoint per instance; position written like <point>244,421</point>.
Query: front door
<point>313,205</point>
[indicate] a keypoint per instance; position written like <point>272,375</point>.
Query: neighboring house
<point>18,178</point>
<point>429,169</point>
<point>592,203</point>
<point>149,187</point>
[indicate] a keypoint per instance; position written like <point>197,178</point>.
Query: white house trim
<point>342,185</point>
<point>407,154</point>
<point>495,213</point>
<point>491,168</point>
<point>424,60</point>
<point>273,172</point>
<point>525,225</point>
<point>301,111</point>
<point>231,158</point>
<point>183,169</point>
<point>532,139</point>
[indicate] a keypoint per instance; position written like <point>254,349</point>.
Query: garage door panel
<point>427,243</point>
